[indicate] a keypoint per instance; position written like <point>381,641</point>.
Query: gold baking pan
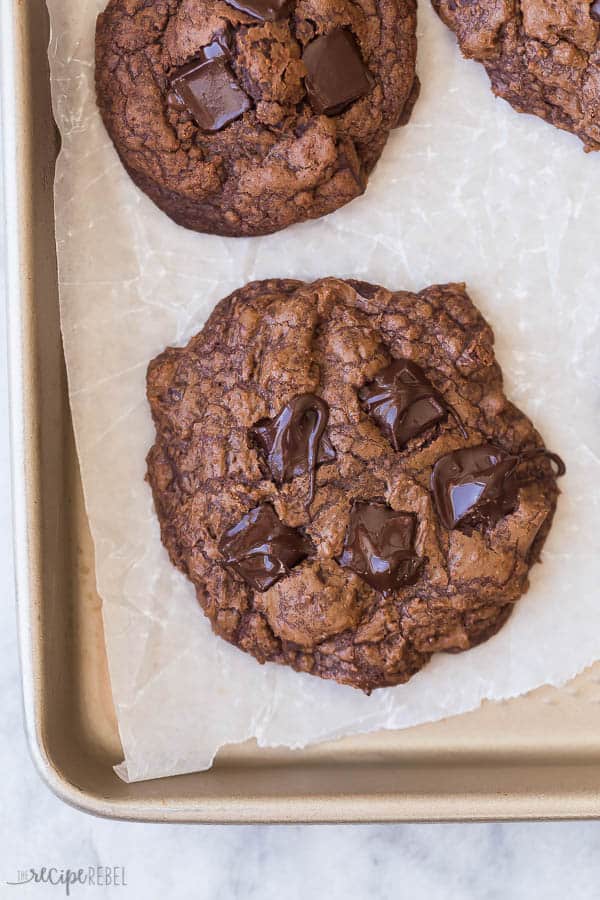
<point>532,758</point>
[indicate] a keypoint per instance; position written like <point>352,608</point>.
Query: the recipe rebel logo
<point>90,876</point>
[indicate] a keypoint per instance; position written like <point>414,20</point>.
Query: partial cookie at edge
<point>544,58</point>
<point>279,162</point>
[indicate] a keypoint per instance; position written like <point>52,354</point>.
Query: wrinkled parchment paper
<point>468,191</point>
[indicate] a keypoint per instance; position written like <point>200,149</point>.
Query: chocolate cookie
<point>339,473</point>
<point>543,57</point>
<point>241,117</point>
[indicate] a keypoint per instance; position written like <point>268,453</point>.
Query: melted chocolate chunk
<point>478,485</point>
<point>379,546</point>
<point>595,10</point>
<point>262,549</point>
<point>263,10</point>
<point>209,90</point>
<point>403,402</point>
<point>336,75</point>
<point>294,442</point>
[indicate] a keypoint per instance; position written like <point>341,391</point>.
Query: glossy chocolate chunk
<point>218,47</point>
<point>379,546</point>
<point>595,10</point>
<point>294,442</point>
<point>262,549</point>
<point>478,485</point>
<point>474,483</point>
<point>403,403</point>
<point>336,75</point>
<point>209,90</point>
<point>263,10</point>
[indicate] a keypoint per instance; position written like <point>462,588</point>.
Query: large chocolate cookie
<point>243,117</point>
<point>339,473</point>
<point>543,56</point>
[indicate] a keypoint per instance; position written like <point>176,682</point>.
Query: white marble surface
<point>517,861</point>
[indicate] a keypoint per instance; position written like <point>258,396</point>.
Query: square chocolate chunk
<point>336,74</point>
<point>211,93</point>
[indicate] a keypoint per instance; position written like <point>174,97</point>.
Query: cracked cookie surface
<point>285,151</point>
<point>277,351</point>
<point>543,56</point>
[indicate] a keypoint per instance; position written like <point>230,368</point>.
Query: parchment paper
<point>468,191</point>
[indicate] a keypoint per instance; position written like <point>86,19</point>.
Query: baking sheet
<point>468,191</point>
